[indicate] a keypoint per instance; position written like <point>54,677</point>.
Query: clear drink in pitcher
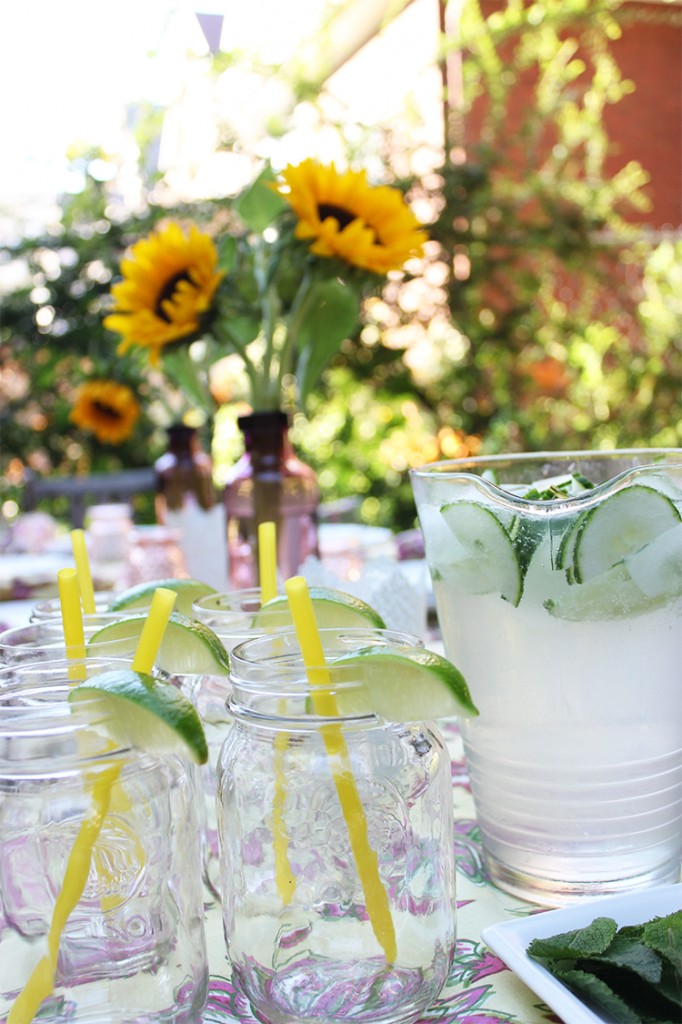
<point>558,586</point>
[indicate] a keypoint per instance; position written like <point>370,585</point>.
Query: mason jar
<point>230,615</point>
<point>43,640</point>
<point>337,843</point>
<point>102,913</point>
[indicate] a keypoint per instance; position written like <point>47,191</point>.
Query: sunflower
<point>368,226</point>
<point>168,284</point>
<point>106,409</point>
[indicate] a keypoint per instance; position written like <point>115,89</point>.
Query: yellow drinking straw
<point>153,629</point>
<point>80,554</point>
<point>40,985</point>
<point>267,561</point>
<point>72,620</point>
<point>325,705</point>
<point>267,572</point>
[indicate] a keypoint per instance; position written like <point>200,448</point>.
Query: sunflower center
<point>167,292</point>
<point>106,411</point>
<point>344,217</point>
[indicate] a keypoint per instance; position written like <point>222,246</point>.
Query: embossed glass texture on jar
<point>132,949</point>
<point>299,910</point>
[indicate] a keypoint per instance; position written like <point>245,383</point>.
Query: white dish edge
<point>510,939</point>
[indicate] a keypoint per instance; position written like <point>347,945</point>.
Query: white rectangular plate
<point>510,939</point>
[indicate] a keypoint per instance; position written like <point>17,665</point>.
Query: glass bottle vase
<point>269,484</point>
<point>186,501</point>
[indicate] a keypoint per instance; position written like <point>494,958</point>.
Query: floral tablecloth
<point>480,988</point>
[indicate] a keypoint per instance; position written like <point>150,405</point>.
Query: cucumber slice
<point>611,595</point>
<point>657,568</point>
<point>483,560</point>
<point>526,533</point>
<point>618,527</point>
<point>566,549</point>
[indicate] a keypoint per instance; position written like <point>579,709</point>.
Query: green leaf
<point>227,250</point>
<point>331,315</point>
<point>599,994</point>
<point>664,934</point>
<point>243,329</point>
<point>260,205</point>
<point>635,956</point>
<point>631,975</point>
<point>595,938</point>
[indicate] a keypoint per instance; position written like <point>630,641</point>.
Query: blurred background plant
<point>544,314</point>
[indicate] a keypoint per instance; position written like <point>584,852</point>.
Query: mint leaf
<point>600,995</point>
<point>595,938</point>
<point>664,934</point>
<point>631,974</point>
<point>635,956</point>
<point>648,1002</point>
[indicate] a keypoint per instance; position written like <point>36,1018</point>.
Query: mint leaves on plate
<point>632,974</point>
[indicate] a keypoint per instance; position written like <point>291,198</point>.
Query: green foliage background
<point>540,319</point>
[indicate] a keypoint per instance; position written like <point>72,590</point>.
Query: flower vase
<point>187,502</point>
<point>269,484</point>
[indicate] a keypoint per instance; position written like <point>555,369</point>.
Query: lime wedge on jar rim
<point>138,710</point>
<point>188,647</point>
<point>406,685</point>
<point>140,595</point>
<point>333,609</point>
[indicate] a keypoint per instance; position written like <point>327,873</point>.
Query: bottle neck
<point>182,441</point>
<point>265,433</point>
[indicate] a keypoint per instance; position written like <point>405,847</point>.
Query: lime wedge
<point>410,685</point>
<point>140,596</point>
<point>140,711</point>
<point>188,647</point>
<point>333,608</point>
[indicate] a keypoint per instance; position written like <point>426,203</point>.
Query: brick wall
<point>647,125</point>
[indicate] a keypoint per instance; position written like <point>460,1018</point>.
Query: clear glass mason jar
<point>230,615</point>
<point>337,845</point>
<point>43,640</point>
<point>132,946</point>
<point>50,609</point>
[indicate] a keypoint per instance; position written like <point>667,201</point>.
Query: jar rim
<point>444,467</point>
<point>482,474</point>
<point>270,680</point>
<point>33,704</point>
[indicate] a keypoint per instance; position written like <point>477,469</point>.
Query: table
<point>480,988</point>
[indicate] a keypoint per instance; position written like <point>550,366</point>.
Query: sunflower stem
<point>222,333</point>
<point>270,310</point>
<point>297,315</point>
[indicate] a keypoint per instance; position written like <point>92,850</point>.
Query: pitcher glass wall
<point>558,586</point>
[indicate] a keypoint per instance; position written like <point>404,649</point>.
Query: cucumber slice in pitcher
<point>612,594</point>
<point>657,568</point>
<point>483,559</point>
<point>618,527</point>
<point>642,582</point>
